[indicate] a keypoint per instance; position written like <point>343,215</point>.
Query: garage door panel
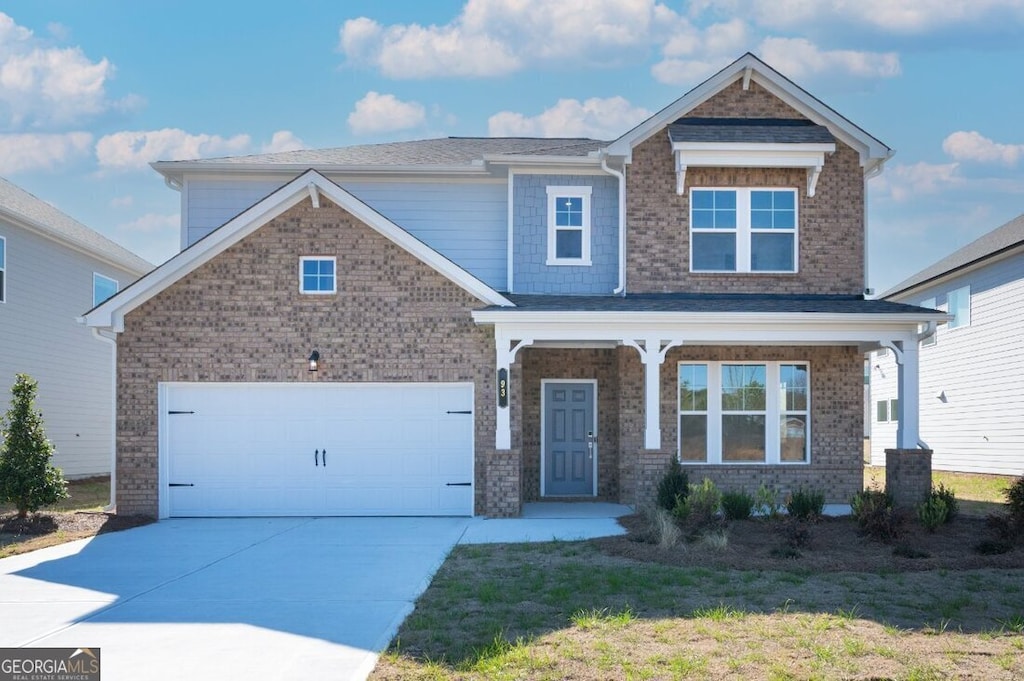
<point>258,449</point>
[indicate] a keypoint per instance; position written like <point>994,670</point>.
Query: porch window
<point>743,230</point>
<point>568,225</point>
<point>742,413</point>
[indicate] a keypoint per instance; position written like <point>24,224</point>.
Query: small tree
<point>27,479</point>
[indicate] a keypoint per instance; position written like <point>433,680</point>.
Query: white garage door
<point>231,449</point>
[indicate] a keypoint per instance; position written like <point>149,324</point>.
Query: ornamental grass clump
<point>737,505</point>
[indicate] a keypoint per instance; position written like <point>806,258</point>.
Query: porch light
<point>314,361</point>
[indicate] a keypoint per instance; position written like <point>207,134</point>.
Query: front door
<point>570,442</point>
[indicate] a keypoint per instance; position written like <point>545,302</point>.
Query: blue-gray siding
<point>464,221</point>
<point>531,274</point>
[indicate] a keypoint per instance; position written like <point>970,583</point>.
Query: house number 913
<point>502,387</point>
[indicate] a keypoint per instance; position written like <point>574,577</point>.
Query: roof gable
<point>749,68</point>
<point>307,186</point>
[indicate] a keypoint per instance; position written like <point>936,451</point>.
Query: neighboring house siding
<point>830,224</point>
<point>531,273</point>
<point>978,424</point>
<point>240,318</point>
<point>465,221</point>
<point>48,286</point>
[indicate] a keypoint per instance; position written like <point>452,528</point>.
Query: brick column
<point>504,493</point>
<point>908,475</point>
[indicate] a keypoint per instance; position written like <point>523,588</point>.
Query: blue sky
<point>91,92</point>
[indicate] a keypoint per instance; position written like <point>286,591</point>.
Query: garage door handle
<point>316,457</point>
<point>325,458</point>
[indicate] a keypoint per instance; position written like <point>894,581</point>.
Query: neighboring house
<point>52,269</point>
<point>503,320</point>
<point>972,391</point>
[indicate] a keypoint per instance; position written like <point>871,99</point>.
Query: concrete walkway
<point>260,598</point>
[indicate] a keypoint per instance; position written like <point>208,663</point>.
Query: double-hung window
<point>749,412</point>
<point>102,288</point>
<point>743,230</point>
<point>568,225</point>
<point>3,270</point>
<point>317,275</point>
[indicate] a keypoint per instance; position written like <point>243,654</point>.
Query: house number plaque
<point>502,387</point>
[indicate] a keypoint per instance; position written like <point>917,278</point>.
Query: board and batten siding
<point>972,391</point>
<point>49,285</point>
<point>464,221</point>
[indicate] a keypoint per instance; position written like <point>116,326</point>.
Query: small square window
<point>316,275</point>
<point>568,225</point>
<point>102,288</point>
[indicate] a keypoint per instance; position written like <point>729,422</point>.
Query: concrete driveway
<point>243,598</point>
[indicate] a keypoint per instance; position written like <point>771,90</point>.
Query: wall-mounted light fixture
<point>314,361</point>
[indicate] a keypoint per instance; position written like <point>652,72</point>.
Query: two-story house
<point>53,267</point>
<point>462,325</point>
<point>971,393</point>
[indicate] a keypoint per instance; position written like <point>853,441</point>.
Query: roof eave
<point>177,169</point>
<point>519,315</point>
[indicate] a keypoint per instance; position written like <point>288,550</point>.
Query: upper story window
<point>317,275</point>
<point>930,340</point>
<point>568,225</point>
<point>3,270</point>
<point>959,305</point>
<point>743,230</point>
<point>102,288</point>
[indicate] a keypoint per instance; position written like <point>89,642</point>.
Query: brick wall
<point>548,363</point>
<point>908,476</point>
<point>831,224</point>
<point>240,318</point>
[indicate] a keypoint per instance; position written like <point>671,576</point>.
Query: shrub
<point>703,502</point>
<point>874,514</point>
<point>806,504</point>
<point>796,535</point>
<point>766,501</point>
<point>1015,502</point>
<point>947,495</point>
<point>661,527</point>
<point>27,478</point>
<point>737,505</point>
<point>673,487</point>
<point>933,512</point>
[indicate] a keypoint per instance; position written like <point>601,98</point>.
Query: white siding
<point>48,286</point>
<point>978,423</point>
<point>464,221</point>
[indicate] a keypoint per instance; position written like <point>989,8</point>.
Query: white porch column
<point>506,355</point>
<point>908,393</point>
<point>652,354</point>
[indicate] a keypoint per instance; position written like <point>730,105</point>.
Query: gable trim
<point>110,314</point>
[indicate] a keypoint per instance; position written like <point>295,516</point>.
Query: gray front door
<point>569,442</point>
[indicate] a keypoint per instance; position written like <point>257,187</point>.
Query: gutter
<point>100,335</point>
<point>621,175</point>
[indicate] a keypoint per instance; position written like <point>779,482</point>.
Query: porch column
<point>506,355</point>
<point>652,354</point>
<point>908,393</point>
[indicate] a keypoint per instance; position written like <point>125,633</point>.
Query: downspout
<point>621,175</point>
<point>113,416</point>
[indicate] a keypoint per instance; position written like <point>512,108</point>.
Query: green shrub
<point>737,505</point>
<point>806,504</point>
<point>766,501</point>
<point>673,487</point>
<point>698,512</point>
<point>873,511</point>
<point>947,495</point>
<point>932,512</point>
<point>1015,502</point>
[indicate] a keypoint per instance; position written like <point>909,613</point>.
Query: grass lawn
<point>977,494</point>
<point>87,494</point>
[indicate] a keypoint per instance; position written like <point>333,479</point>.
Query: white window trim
<point>555,192</point>
<point>97,276</point>
<point>3,271</point>
<point>302,261</point>
<point>744,231</point>
<point>773,412</point>
<point>951,326</point>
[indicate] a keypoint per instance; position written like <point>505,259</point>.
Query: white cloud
<point>497,37</point>
<point>903,182</point>
<point>973,146</point>
<point>136,149</point>
<point>595,117</point>
<point>43,86</point>
<point>377,113</point>
<point>24,152</point>
<point>283,140</point>
<point>151,223</point>
<point>800,58</point>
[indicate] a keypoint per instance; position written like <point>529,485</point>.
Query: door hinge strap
<point>180,412</point>
<point>180,484</point>
<point>459,484</point>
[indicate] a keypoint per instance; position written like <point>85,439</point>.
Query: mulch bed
<point>825,545</point>
<point>46,529</point>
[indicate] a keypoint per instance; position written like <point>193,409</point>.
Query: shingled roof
<point>20,206</point>
<point>995,242</point>
<point>757,130</point>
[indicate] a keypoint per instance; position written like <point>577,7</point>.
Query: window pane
<point>102,288</point>
<point>713,209</point>
<point>310,283</point>
<point>743,438</point>
<point>793,387</point>
<point>569,243</point>
<point>725,199</point>
<point>882,411</point>
<point>714,252</point>
<point>693,437</point>
<point>771,252</point>
<point>703,219</point>
<point>310,267</point>
<point>693,387</point>
<point>743,387</point>
<point>784,200</point>
<point>761,200</point>
<point>702,198</point>
<point>894,410</point>
<point>569,211</point>
<point>793,439</point>
<point>327,267</point>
